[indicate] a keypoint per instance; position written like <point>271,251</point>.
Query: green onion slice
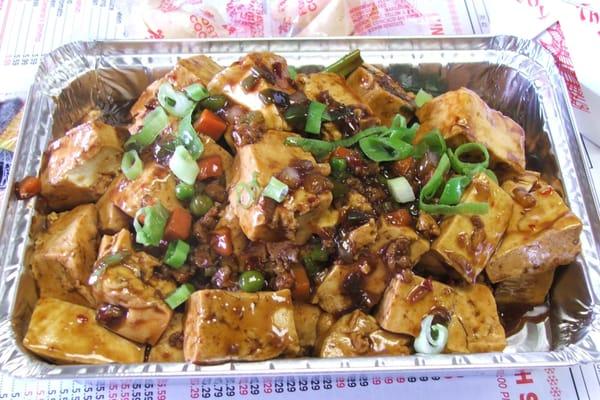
<point>293,73</point>
<point>432,339</point>
<point>454,190</point>
<point>155,220</point>
<point>177,253</point>
<point>174,102</point>
<point>276,190</point>
<point>247,192</point>
<point>379,148</point>
<point>131,165</point>
<point>180,295</point>
<point>347,64</point>
<point>196,91</point>
<point>433,141</point>
<point>154,123</point>
<point>401,190</point>
<point>184,166</point>
<point>105,262</point>
<point>315,114</point>
<point>189,137</point>
<point>468,168</point>
<point>422,97</point>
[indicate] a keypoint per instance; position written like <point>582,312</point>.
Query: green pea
<point>200,205</point>
<point>183,191</point>
<point>214,102</point>
<point>251,281</point>
<point>338,167</point>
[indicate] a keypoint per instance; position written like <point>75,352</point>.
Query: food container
<point>515,76</point>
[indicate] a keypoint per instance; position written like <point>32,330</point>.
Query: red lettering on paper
<point>379,14</point>
<point>524,377</point>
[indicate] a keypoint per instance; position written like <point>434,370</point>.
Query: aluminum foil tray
<point>515,76</point>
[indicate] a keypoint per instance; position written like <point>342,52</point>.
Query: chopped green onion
<point>431,187</point>
<point>491,175</point>
<point>326,116</point>
<point>154,123</point>
<point>184,166</point>
<point>214,102</point>
<point>422,97</point>
<point>314,260</point>
<point>155,220</point>
<point>380,149</point>
<point>196,91</point>
<point>131,165</point>
<point>251,281</point>
<point>433,141</point>
<point>347,64</point>
<point>276,190</point>
<point>189,138</point>
<point>398,122</point>
<point>468,168</point>
<point>177,253</point>
<point>338,167</point>
<point>315,114</point>
<point>201,204</point>
<point>107,261</point>
<point>247,192</point>
<point>432,339</point>
<point>180,295</point>
<point>250,82</point>
<point>176,103</point>
<point>292,72</point>
<point>454,190</point>
<point>401,190</point>
<point>183,191</point>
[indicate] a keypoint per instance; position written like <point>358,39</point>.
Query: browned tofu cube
<point>357,334</point>
<point>226,326</point>
<point>399,246</point>
<point>542,234</point>
<point>65,253</point>
<point>110,217</point>
<point>381,93</point>
<point>473,318</point>
<point>155,184</point>
<point>350,286</point>
<point>311,325</point>
<point>293,217</point>
<point>467,242</point>
<point>80,165</point>
<point>170,346</point>
<point>462,116</point>
<point>68,333</point>
<point>144,316</point>
<point>527,289</point>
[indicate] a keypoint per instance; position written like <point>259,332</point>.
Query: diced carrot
<point>342,152</point>
<point>28,187</point>
<point>210,167</point>
<point>209,124</point>
<point>402,167</point>
<point>301,290</point>
<point>400,217</point>
<point>179,225</point>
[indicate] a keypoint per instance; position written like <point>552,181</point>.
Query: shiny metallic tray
<point>515,76</point>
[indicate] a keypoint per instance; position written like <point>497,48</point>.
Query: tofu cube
<point>527,289</point>
<point>473,326</point>
<point>64,255</point>
<point>311,325</point>
<point>68,333</point>
<point>170,345</point>
<point>462,116</point>
<point>409,245</point>
<point>381,93</point>
<point>110,217</point>
<point>294,217</point>
<point>155,184</point>
<point>80,165</point>
<point>238,326</point>
<point>357,334</point>
<point>467,242</point>
<point>539,238</point>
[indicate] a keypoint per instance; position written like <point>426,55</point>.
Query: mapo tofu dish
<point>253,212</point>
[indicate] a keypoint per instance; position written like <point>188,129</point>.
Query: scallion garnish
<point>184,166</point>
<point>422,97</point>
<point>276,190</point>
<point>188,136</point>
<point>177,253</point>
<point>131,164</point>
<point>102,264</point>
<point>347,64</point>
<point>432,339</point>
<point>180,295</point>
<point>153,228</point>
<point>174,102</point>
<point>292,72</point>
<point>313,120</point>
<point>154,123</point>
<point>401,190</point>
<point>196,91</point>
<point>468,168</point>
<point>247,192</point>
